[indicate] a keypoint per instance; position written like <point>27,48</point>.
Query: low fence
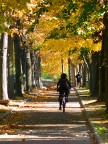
<point>49,83</point>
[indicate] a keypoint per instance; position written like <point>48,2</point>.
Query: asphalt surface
<point>40,121</point>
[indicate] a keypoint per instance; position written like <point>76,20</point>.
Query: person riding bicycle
<point>63,86</point>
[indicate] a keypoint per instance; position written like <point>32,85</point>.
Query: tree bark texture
<point>11,68</point>
<point>84,72</point>
<point>18,64</point>
<point>28,72</point>
<point>73,81</point>
<point>4,67</point>
<point>105,60</point>
<point>94,85</point>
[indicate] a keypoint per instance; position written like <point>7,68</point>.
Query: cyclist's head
<point>63,75</point>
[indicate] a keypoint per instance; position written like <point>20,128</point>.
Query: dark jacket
<point>63,84</point>
<point>78,77</point>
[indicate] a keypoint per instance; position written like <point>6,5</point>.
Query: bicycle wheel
<point>63,106</point>
<point>60,103</point>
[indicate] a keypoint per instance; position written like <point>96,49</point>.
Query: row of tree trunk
<point>19,65</point>
<point>94,73</point>
<point>95,70</point>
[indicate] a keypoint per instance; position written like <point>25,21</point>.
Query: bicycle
<point>62,102</point>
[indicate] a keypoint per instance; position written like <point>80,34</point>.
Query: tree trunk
<point>73,81</point>
<point>11,66</point>
<point>28,72</point>
<point>105,61</point>
<point>101,96</point>
<point>94,85</point>
<point>38,69</point>
<point>18,64</point>
<point>1,46</point>
<point>33,69</point>
<point>88,70</point>
<point>4,67</point>
<point>24,67</point>
<point>84,71</point>
<point>69,69</point>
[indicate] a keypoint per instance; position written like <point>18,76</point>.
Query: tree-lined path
<point>39,40</point>
<point>40,121</point>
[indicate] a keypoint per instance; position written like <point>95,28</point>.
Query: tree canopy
<point>56,27</point>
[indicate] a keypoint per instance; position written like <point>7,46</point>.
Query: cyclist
<point>63,86</point>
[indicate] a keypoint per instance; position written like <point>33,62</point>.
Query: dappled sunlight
<point>50,131</point>
<point>84,95</point>
<point>48,107</point>
<point>99,121</point>
<point>83,91</point>
<point>40,119</point>
<point>86,102</point>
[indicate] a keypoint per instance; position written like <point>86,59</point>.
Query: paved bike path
<point>43,122</point>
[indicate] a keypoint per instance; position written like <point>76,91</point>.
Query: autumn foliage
<point>55,27</point>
